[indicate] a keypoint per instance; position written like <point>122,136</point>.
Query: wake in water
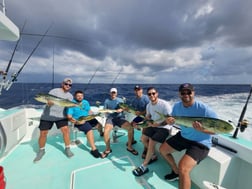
<point>229,108</point>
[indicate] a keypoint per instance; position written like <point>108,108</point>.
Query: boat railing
<point>3,7</point>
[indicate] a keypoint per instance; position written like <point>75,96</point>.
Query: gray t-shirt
<point>55,112</point>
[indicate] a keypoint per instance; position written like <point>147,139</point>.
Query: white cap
<point>113,90</point>
<point>69,80</point>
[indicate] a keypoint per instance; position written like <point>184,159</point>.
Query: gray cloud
<point>146,41</point>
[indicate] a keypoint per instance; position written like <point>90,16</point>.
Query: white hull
<point>222,167</point>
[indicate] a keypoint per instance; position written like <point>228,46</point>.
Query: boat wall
<point>14,124</point>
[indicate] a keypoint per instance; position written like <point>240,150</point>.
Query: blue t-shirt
<point>113,104</point>
<point>198,109</point>
<point>139,104</point>
<point>78,111</point>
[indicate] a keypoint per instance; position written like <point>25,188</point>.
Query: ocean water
<point>227,100</point>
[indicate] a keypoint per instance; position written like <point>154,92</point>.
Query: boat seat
<point>116,133</point>
<point>73,134</point>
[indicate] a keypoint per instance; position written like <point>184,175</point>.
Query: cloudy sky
<point>132,41</point>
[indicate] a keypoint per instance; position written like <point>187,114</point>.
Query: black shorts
<point>194,149</point>
<point>47,125</point>
<point>138,119</point>
<point>116,121</point>
<point>93,122</point>
<point>156,134</point>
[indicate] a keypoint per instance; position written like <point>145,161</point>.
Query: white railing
<point>3,7</point>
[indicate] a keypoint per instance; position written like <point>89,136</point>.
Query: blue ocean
<point>227,100</point>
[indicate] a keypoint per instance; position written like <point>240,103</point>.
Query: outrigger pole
<point>14,77</point>
<point>242,114</point>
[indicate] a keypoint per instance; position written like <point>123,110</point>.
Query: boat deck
<point>55,170</point>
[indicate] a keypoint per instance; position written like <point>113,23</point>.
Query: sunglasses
<point>186,93</point>
<point>67,84</point>
<point>153,93</point>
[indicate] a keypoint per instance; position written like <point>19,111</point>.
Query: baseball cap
<point>137,87</point>
<point>186,86</point>
<point>113,90</point>
<point>68,80</point>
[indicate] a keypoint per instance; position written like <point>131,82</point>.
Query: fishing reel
<point>98,103</point>
<point>243,125</point>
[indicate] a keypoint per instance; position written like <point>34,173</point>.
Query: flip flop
<point>133,142</point>
<point>133,151</point>
<point>106,153</point>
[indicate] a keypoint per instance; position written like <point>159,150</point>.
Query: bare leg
<point>150,151</point>
<point>42,138</point>
<point>107,130</point>
<point>90,138</point>
<point>186,164</point>
<point>100,129</point>
<point>130,130</point>
<point>66,135</point>
<point>166,151</point>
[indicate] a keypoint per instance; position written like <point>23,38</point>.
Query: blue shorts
<point>84,127</point>
<point>194,149</point>
<point>47,125</point>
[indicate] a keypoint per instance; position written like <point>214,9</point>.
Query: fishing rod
<point>92,77</point>
<point>113,81</point>
<point>14,77</point>
<point>12,55</point>
<point>116,76</point>
<point>239,125</point>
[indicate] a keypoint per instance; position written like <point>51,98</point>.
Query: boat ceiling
<point>8,30</point>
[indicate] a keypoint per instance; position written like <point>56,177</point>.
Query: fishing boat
<point>228,164</point>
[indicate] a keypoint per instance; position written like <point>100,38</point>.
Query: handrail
<point>3,141</point>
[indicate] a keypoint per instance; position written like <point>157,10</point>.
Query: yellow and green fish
<point>44,98</point>
<point>89,117</point>
<point>214,125</point>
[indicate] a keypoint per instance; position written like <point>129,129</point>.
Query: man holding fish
<point>55,114</point>
<point>195,140</point>
<point>77,116</point>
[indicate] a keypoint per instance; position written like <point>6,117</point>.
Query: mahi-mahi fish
<point>127,108</point>
<point>109,111</point>
<point>214,125</point>
<point>88,117</point>
<point>44,98</point>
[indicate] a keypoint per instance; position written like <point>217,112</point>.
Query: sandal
<point>133,151</point>
<point>140,171</point>
<point>95,153</point>
<point>106,153</point>
<point>133,142</point>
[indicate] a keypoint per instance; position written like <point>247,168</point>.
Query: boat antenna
<point>14,77</point>
<point>242,114</point>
